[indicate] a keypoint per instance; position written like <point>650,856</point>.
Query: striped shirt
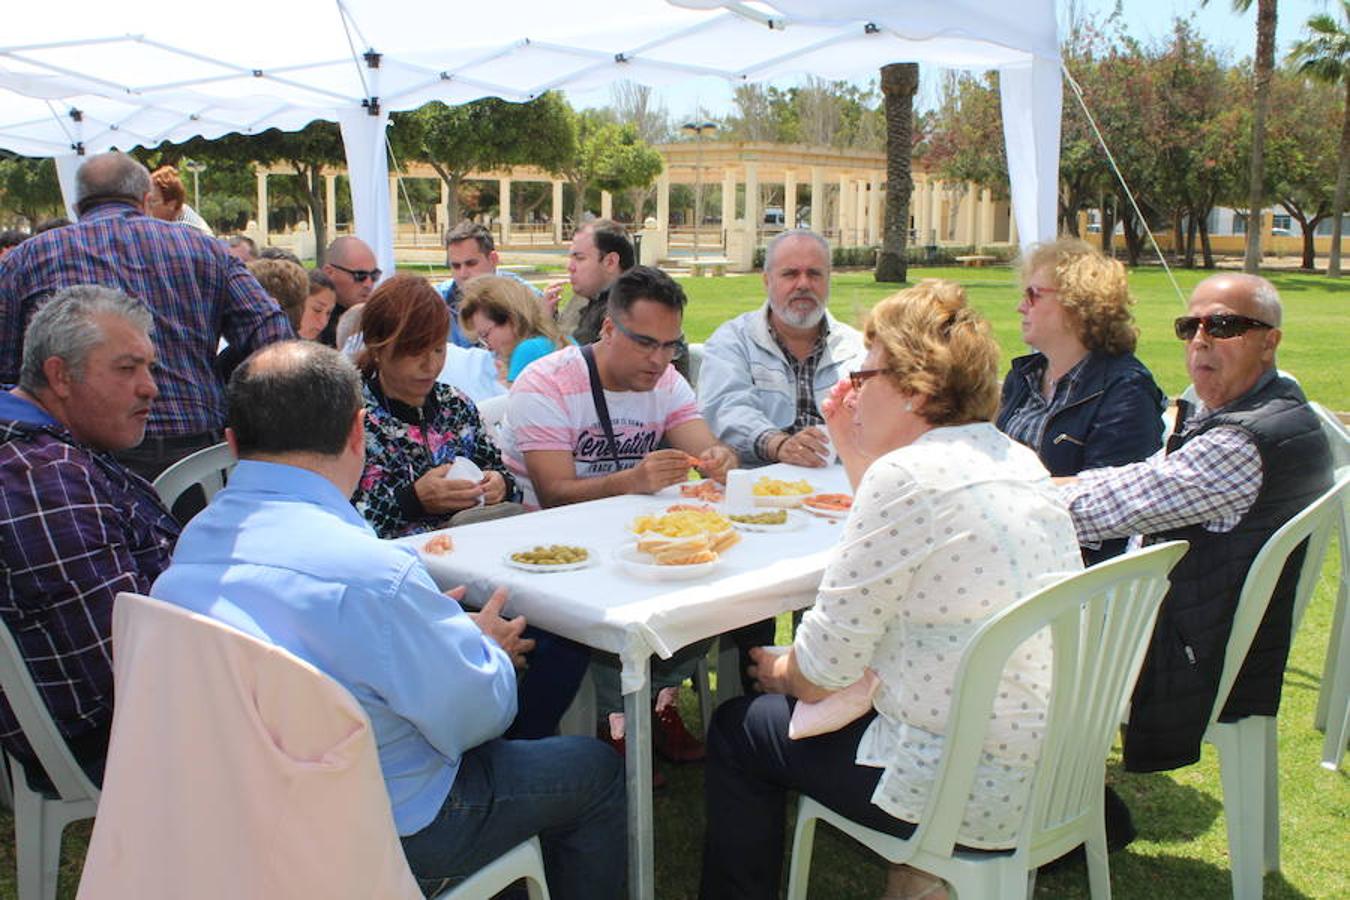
<point>75,529</point>
<point>197,292</point>
<point>1027,423</point>
<point>804,377</point>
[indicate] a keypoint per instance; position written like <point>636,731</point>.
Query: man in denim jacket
<point>765,372</point>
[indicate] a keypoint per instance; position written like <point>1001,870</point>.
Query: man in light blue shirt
<point>282,555</point>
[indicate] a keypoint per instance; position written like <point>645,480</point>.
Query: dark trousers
<point>153,455</point>
<point>751,766</point>
<point>546,688</point>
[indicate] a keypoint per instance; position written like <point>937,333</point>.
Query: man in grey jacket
<point>765,372</point>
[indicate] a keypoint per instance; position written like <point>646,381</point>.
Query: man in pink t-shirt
<point>555,440</point>
<point>567,439</point>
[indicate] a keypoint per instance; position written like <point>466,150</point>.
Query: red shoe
<point>672,739</point>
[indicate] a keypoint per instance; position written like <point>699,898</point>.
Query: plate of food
<point>776,492</point>
<point>705,489</point>
<point>831,506</point>
<point>439,545</point>
<point>682,520</point>
<point>549,558</point>
<point>674,559</point>
<point>769,520</point>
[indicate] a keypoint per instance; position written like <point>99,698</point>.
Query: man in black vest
<point>1243,460</point>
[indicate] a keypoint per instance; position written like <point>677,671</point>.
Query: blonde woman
<point>508,319</point>
<point>951,522</point>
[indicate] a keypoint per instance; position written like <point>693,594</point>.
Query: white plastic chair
<point>1248,762</point>
<point>1100,622</point>
<point>1333,700</point>
<point>238,769</point>
<point>695,363</point>
<point>493,413</point>
<point>40,820</point>
<point>208,467</point>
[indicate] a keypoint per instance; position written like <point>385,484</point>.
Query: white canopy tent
<point>93,75</point>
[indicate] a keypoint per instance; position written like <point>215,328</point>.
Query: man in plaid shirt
<point>75,526</point>
<point>195,289</point>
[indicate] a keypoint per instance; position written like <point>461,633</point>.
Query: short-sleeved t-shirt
<point>551,408</point>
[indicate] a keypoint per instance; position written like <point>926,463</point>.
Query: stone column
<point>876,202</point>
<point>986,217</point>
<point>504,201</point>
<point>1012,225</point>
<point>919,204</point>
<point>817,200</point>
<point>443,210</point>
<point>663,201</point>
<point>790,199</point>
<point>969,211</point>
<point>860,216</point>
<point>330,204</point>
<point>557,211</point>
<point>606,205</point>
<point>752,211</point>
<point>393,205</point>
<point>262,207</point>
<point>843,215</point>
<point>728,205</point>
<point>934,212</point>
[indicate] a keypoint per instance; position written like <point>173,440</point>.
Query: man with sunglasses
<point>1244,459</point>
<point>197,292</point>
<point>352,268</point>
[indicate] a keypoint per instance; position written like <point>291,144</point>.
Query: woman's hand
<point>439,495</point>
<point>716,460</point>
<point>838,412</point>
<point>494,487</point>
<point>770,671</point>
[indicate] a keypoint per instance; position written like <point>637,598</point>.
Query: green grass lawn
<point>1182,848</point>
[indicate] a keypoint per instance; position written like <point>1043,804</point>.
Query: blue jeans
<point>567,790</point>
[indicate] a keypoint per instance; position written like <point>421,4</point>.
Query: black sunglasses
<point>360,275</point>
<point>1218,326</point>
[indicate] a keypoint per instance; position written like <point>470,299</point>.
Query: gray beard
<point>802,320</point>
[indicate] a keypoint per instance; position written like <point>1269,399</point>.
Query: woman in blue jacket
<point>1082,400</point>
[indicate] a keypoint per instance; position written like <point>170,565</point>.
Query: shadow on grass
<point>1299,283</point>
<point>1163,810</point>
<point>1149,876</point>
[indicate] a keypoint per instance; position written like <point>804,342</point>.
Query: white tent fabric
<point>97,75</point>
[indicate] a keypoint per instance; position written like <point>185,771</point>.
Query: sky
<point>1145,19</point>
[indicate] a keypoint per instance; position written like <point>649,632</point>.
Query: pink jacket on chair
<point>235,770</point>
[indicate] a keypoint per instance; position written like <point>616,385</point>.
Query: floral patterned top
<point>405,442</point>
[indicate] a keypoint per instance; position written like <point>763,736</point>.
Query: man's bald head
<point>110,176</point>
<point>351,266</point>
<point>1226,368</point>
<point>351,252</point>
<point>1251,291</point>
<point>293,397</point>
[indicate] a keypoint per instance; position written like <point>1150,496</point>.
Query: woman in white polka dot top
<point>951,522</point>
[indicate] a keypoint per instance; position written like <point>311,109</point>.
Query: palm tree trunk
<point>1265,65</point>
<point>1338,206</point>
<point>899,81</point>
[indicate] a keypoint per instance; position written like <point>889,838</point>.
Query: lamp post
<point>697,130</point>
<point>195,167</point>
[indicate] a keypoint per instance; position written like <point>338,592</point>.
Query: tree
<point>1301,159</point>
<point>1265,67</point>
<point>1325,56</point>
<point>484,135</point>
<point>899,82</point>
<point>634,104</point>
<point>30,188</point>
<point>608,156</point>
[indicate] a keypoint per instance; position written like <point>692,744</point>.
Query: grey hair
<point>67,327</point>
<point>791,233</point>
<point>1267,299</point>
<point>112,175</point>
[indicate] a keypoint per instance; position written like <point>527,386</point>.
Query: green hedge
<point>866,257</point>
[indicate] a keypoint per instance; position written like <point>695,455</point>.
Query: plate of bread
<point>660,558</point>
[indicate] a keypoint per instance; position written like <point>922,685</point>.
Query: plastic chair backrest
<point>1311,527</point>
<point>207,467</point>
<point>493,413</point>
<point>1100,622</point>
<point>38,727</point>
<point>1337,435</point>
<point>695,363</point>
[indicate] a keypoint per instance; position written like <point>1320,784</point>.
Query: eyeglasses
<point>1033,293</point>
<point>1218,326</point>
<point>360,275</point>
<point>676,348</point>
<point>859,378</point>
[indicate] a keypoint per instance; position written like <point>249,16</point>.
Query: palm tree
<point>899,81</point>
<point>1265,67</point>
<point>1325,56</point>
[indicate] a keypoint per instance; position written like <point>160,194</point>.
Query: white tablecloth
<point>604,607</point>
